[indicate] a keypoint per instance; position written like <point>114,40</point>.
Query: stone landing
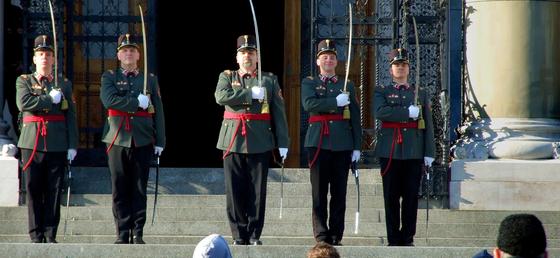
<point>505,185</point>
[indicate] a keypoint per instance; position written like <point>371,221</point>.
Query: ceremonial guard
<point>333,141</point>
<point>254,124</point>
<point>134,132</point>
<point>49,137</point>
<point>405,143</point>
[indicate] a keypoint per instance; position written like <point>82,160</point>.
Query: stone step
<point>272,200</point>
<point>95,180</point>
<point>151,250</point>
<point>280,228</point>
<point>349,240</point>
<point>289,214</point>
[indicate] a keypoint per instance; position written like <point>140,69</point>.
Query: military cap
<point>42,43</point>
<point>326,46</point>
<point>398,55</point>
<point>246,41</point>
<point>126,40</point>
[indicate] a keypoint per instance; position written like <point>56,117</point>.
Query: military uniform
<point>247,137</point>
<point>130,134</point>
<point>401,147</point>
<point>330,140</point>
<point>48,131</point>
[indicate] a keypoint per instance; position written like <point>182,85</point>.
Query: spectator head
<point>323,250</point>
<point>521,236</point>
<point>212,246</point>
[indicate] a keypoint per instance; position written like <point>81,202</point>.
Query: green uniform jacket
<point>234,93</point>
<point>391,105</point>
<point>32,98</point>
<point>121,93</point>
<point>318,99</point>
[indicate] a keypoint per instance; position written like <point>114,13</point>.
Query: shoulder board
<point>270,74</point>
<point>227,72</point>
<point>24,76</point>
<point>152,75</point>
<point>111,71</point>
<point>381,86</point>
<point>65,79</point>
<point>309,77</point>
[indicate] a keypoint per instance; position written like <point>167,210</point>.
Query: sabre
<point>356,174</point>
<point>346,111</point>
<point>55,43</point>
<point>281,188</point>
<point>259,75</point>
<point>145,47</point>
<point>421,123</point>
<point>156,190</point>
<point>67,197</point>
<point>281,164</point>
<point>428,190</point>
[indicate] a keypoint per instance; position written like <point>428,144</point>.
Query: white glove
<point>158,150</point>
<point>283,153</point>
<point>257,92</point>
<point>342,100</point>
<point>428,161</point>
<point>356,155</point>
<point>143,101</point>
<point>71,154</point>
<point>56,96</point>
<point>413,111</point>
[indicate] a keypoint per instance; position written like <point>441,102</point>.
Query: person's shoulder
<point>269,74</point>
<point>109,72</point>
<point>308,79</point>
<point>482,254</point>
<point>25,76</point>
<point>227,72</point>
<point>381,87</point>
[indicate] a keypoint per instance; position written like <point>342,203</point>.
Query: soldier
<point>133,135</point>
<point>403,147</point>
<point>49,137</point>
<point>248,135</point>
<point>332,142</point>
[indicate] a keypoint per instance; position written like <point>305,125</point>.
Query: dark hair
<point>522,235</point>
<point>323,250</point>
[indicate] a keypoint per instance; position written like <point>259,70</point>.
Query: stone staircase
<point>191,205</point>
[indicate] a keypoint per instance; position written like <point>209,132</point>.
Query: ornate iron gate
<point>379,27</point>
<point>87,35</point>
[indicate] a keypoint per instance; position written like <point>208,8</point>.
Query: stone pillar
<point>513,80</point>
<point>9,182</point>
<point>6,145</point>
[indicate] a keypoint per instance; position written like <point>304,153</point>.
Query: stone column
<point>9,182</point>
<point>6,145</point>
<point>512,72</point>
<point>512,79</point>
